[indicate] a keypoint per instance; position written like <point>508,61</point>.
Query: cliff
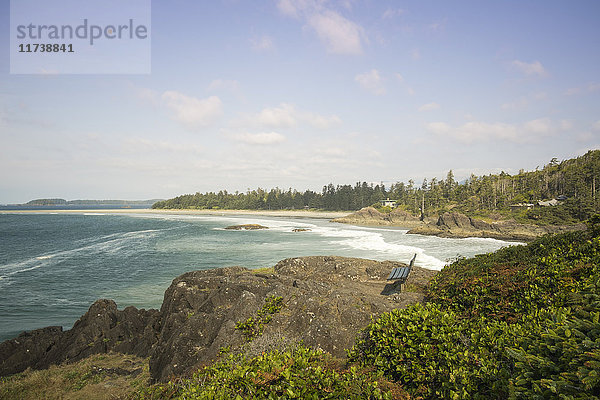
<point>325,302</point>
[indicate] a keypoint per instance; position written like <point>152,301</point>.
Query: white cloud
<point>429,107</point>
<point>277,117</point>
<point>535,68</point>
<point>392,12</point>
<point>339,34</point>
<point>135,145</point>
<point>260,138</point>
<point>148,95</point>
<point>289,7</point>
<point>476,131</point>
<point>566,125</point>
<point>331,151</point>
<point>438,128</point>
<point>589,88</point>
<point>192,112</point>
<point>399,77</point>
<point>371,81</point>
<point>288,116</point>
<point>263,43</point>
<point>415,54</point>
<point>320,121</point>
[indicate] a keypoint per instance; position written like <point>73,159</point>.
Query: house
<point>388,203</point>
<point>548,203</point>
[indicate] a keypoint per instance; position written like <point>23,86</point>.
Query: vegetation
<point>299,373</point>
<point>253,326</point>
<point>521,323</point>
<point>435,354</point>
<point>97,377</point>
<point>486,196</point>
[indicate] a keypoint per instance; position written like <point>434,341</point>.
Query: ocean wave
<point>113,243</point>
<point>366,240</point>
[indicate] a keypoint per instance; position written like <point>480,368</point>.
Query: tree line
<point>575,180</point>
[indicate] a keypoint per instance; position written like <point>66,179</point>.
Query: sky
<point>302,93</point>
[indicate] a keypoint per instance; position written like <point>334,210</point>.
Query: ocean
<point>53,266</point>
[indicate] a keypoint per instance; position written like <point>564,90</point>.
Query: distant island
<point>63,202</point>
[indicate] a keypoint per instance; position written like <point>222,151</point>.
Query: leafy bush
<point>300,373</point>
<point>436,354</point>
<point>563,360</point>
<point>519,280</point>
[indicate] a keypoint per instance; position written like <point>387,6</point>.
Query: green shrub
<point>519,280</point>
<point>435,354</point>
<point>562,360</point>
<point>300,373</point>
<point>253,326</point>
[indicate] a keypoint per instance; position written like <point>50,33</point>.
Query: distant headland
<point>63,203</point>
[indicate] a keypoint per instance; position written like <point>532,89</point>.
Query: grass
<point>101,376</point>
<point>264,270</point>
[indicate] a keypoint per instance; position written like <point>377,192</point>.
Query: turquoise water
<point>54,266</point>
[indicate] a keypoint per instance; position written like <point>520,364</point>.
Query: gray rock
<point>326,302</point>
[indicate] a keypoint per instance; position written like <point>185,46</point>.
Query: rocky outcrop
<point>371,216</point>
<point>246,227</point>
<point>454,224</point>
<point>102,329</point>
<point>326,301</point>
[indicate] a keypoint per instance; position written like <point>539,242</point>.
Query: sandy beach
<point>265,213</point>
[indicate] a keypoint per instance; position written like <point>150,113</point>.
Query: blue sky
<point>300,93</point>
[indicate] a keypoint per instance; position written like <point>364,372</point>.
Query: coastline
<point>263,213</point>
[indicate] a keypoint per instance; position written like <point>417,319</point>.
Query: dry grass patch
<point>101,376</point>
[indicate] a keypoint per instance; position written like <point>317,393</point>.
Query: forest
<point>573,181</point>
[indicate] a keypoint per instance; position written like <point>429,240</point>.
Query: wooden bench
<point>399,275</point>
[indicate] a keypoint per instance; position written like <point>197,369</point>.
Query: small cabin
<point>548,203</point>
<point>388,203</point>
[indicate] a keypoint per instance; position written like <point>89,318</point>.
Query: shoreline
<point>263,213</point>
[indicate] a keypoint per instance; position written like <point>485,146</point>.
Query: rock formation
<point>246,227</point>
<point>371,216</point>
<point>326,301</point>
<point>454,224</point>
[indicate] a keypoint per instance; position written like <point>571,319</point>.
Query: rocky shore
<point>455,225</point>
<point>461,226</point>
<point>370,216</point>
<point>326,301</point>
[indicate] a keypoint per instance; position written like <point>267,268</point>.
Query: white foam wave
<point>372,241</point>
<point>103,244</point>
